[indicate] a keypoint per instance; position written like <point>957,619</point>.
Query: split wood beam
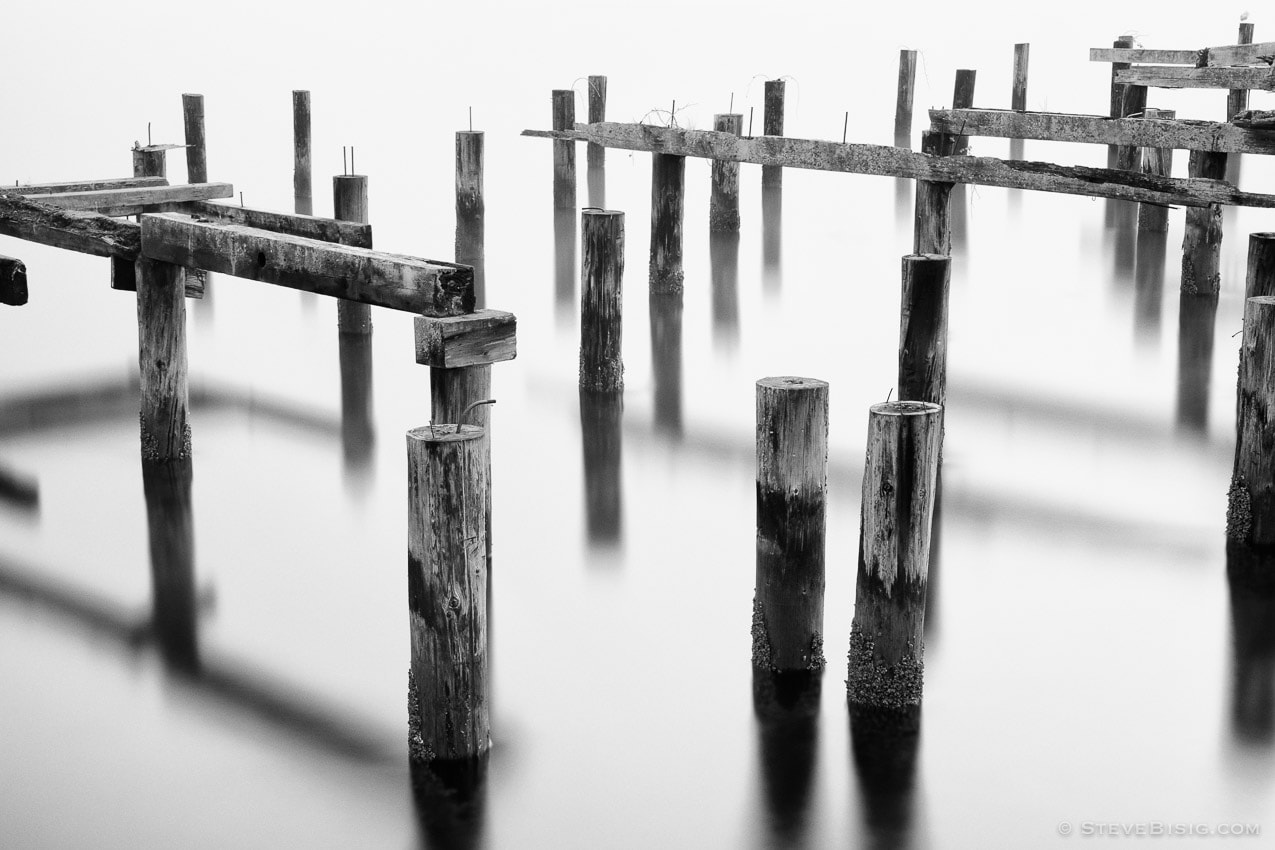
<point>1172,77</point>
<point>425,287</point>
<point>86,185</point>
<point>350,233</point>
<point>131,201</point>
<point>1210,136</point>
<point>73,230</point>
<point>898,162</point>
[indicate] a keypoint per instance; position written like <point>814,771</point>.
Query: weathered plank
<point>1212,136</point>
<point>86,185</point>
<point>1241,54</point>
<point>427,287</point>
<point>85,232</point>
<point>1155,57</point>
<point>13,281</point>
<point>121,202</point>
<point>897,162</point>
<point>474,339</point>
<point>1171,77</point>
<point>352,233</point>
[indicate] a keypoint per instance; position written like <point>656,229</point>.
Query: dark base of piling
<point>896,687</point>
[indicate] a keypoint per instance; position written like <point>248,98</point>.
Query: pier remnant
<point>601,319</point>
<point>668,180</point>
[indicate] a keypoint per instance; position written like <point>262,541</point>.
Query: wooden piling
<point>886,644</point>
<point>161,331</point>
<point>903,105</point>
<point>667,184</point>
<point>1202,237</point>
<point>963,98</point>
<point>564,152</point>
<point>601,324</point>
<point>349,203</point>
<point>773,125</point>
<point>1133,104</point>
<point>933,228</point>
<point>1260,279</point>
<point>150,162</point>
<point>1237,99</point>
<point>447,593</point>
<point>1158,162</point>
<point>596,154</point>
<point>471,209</point>
<point>792,483</point>
<point>723,202</point>
<point>13,282</point>
<point>303,193</point>
<point>1117,97</point>
<point>923,328</point>
<point>196,144</point>
<point>1018,96</point>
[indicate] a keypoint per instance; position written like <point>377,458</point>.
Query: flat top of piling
<point>153,148</point>
<point>791,382</point>
<point>469,132</point>
<point>445,433</point>
<point>928,257</point>
<point>600,211</point>
<point>905,408</point>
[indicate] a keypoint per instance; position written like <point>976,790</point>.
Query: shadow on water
<point>1196,320</point>
<point>601,417</point>
<point>772,213</point>
<point>171,531</point>
<point>1251,576</point>
<point>450,798</point>
<point>1148,284</point>
<point>597,182</point>
<point>564,265</point>
<point>885,744</point>
<point>786,706</point>
<point>666,357</point>
<point>723,255</point>
<point>358,431</point>
<point>18,491</point>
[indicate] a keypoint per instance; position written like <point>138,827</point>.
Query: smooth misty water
<point>1081,664</point>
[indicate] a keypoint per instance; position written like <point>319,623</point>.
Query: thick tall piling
<point>668,179</point>
<point>471,210</point>
<point>564,152</point>
<point>923,328</point>
<point>596,154</point>
<point>1260,278</point>
<point>1237,99</point>
<point>601,320</point>
<point>903,104</point>
<point>792,484</point>
<point>1157,162</point>
<point>161,332</point>
<point>349,203</point>
<point>1018,94</point>
<point>723,201</point>
<point>1117,97</point>
<point>196,142</point>
<point>885,669</point>
<point>773,125</point>
<point>1202,237</point>
<point>447,593</point>
<point>302,185</point>
<point>1250,513</point>
<point>933,227</point>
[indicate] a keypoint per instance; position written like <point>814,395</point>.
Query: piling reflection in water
<point>772,211</point>
<point>666,357</point>
<point>597,181</point>
<point>1196,319</point>
<point>1251,575</point>
<point>1148,284</point>
<point>450,798</point>
<point>959,200</point>
<point>564,264</point>
<point>1121,238</point>
<point>885,744</point>
<point>601,417</point>
<point>723,258</point>
<point>786,706</point>
<point>358,431</point>
<point>171,531</point>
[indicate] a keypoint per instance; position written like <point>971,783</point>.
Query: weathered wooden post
<point>1157,162</point>
<point>447,593</point>
<point>723,201</point>
<point>349,203</point>
<point>1133,104</point>
<point>1202,238</point>
<point>933,230</point>
<point>903,105</point>
<point>923,328</point>
<point>773,125</point>
<point>150,161</point>
<point>196,143</point>
<point>596,154</point>
<point>564,152</point>
<point>1260,279</point>
<point>886,643</point>
<point>161,331</point>
<point>471,210</point>
<point>601,321</point>
<point>668,178</point>
<point>1250,510</point>
<point>792,483</point>
<point>963,98</point>
<point>302,191</point>
<point>1018,96</point>
<point>1124,42</point>
<point>13,282</point>
<point>1237,99</point>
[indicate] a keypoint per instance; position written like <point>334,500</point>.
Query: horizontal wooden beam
<point>131,201</point>
<point>73,230</point>
<point>311,227</point>
<point>13,282</point>
<point>1242,54</point>
<point>1156,57</point>
<point>1099,130</point>
<point>398,282</point>
<point>1170,77</point>
<point>476,339</point>
<point>900,162</point>
<point>85,185</point>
